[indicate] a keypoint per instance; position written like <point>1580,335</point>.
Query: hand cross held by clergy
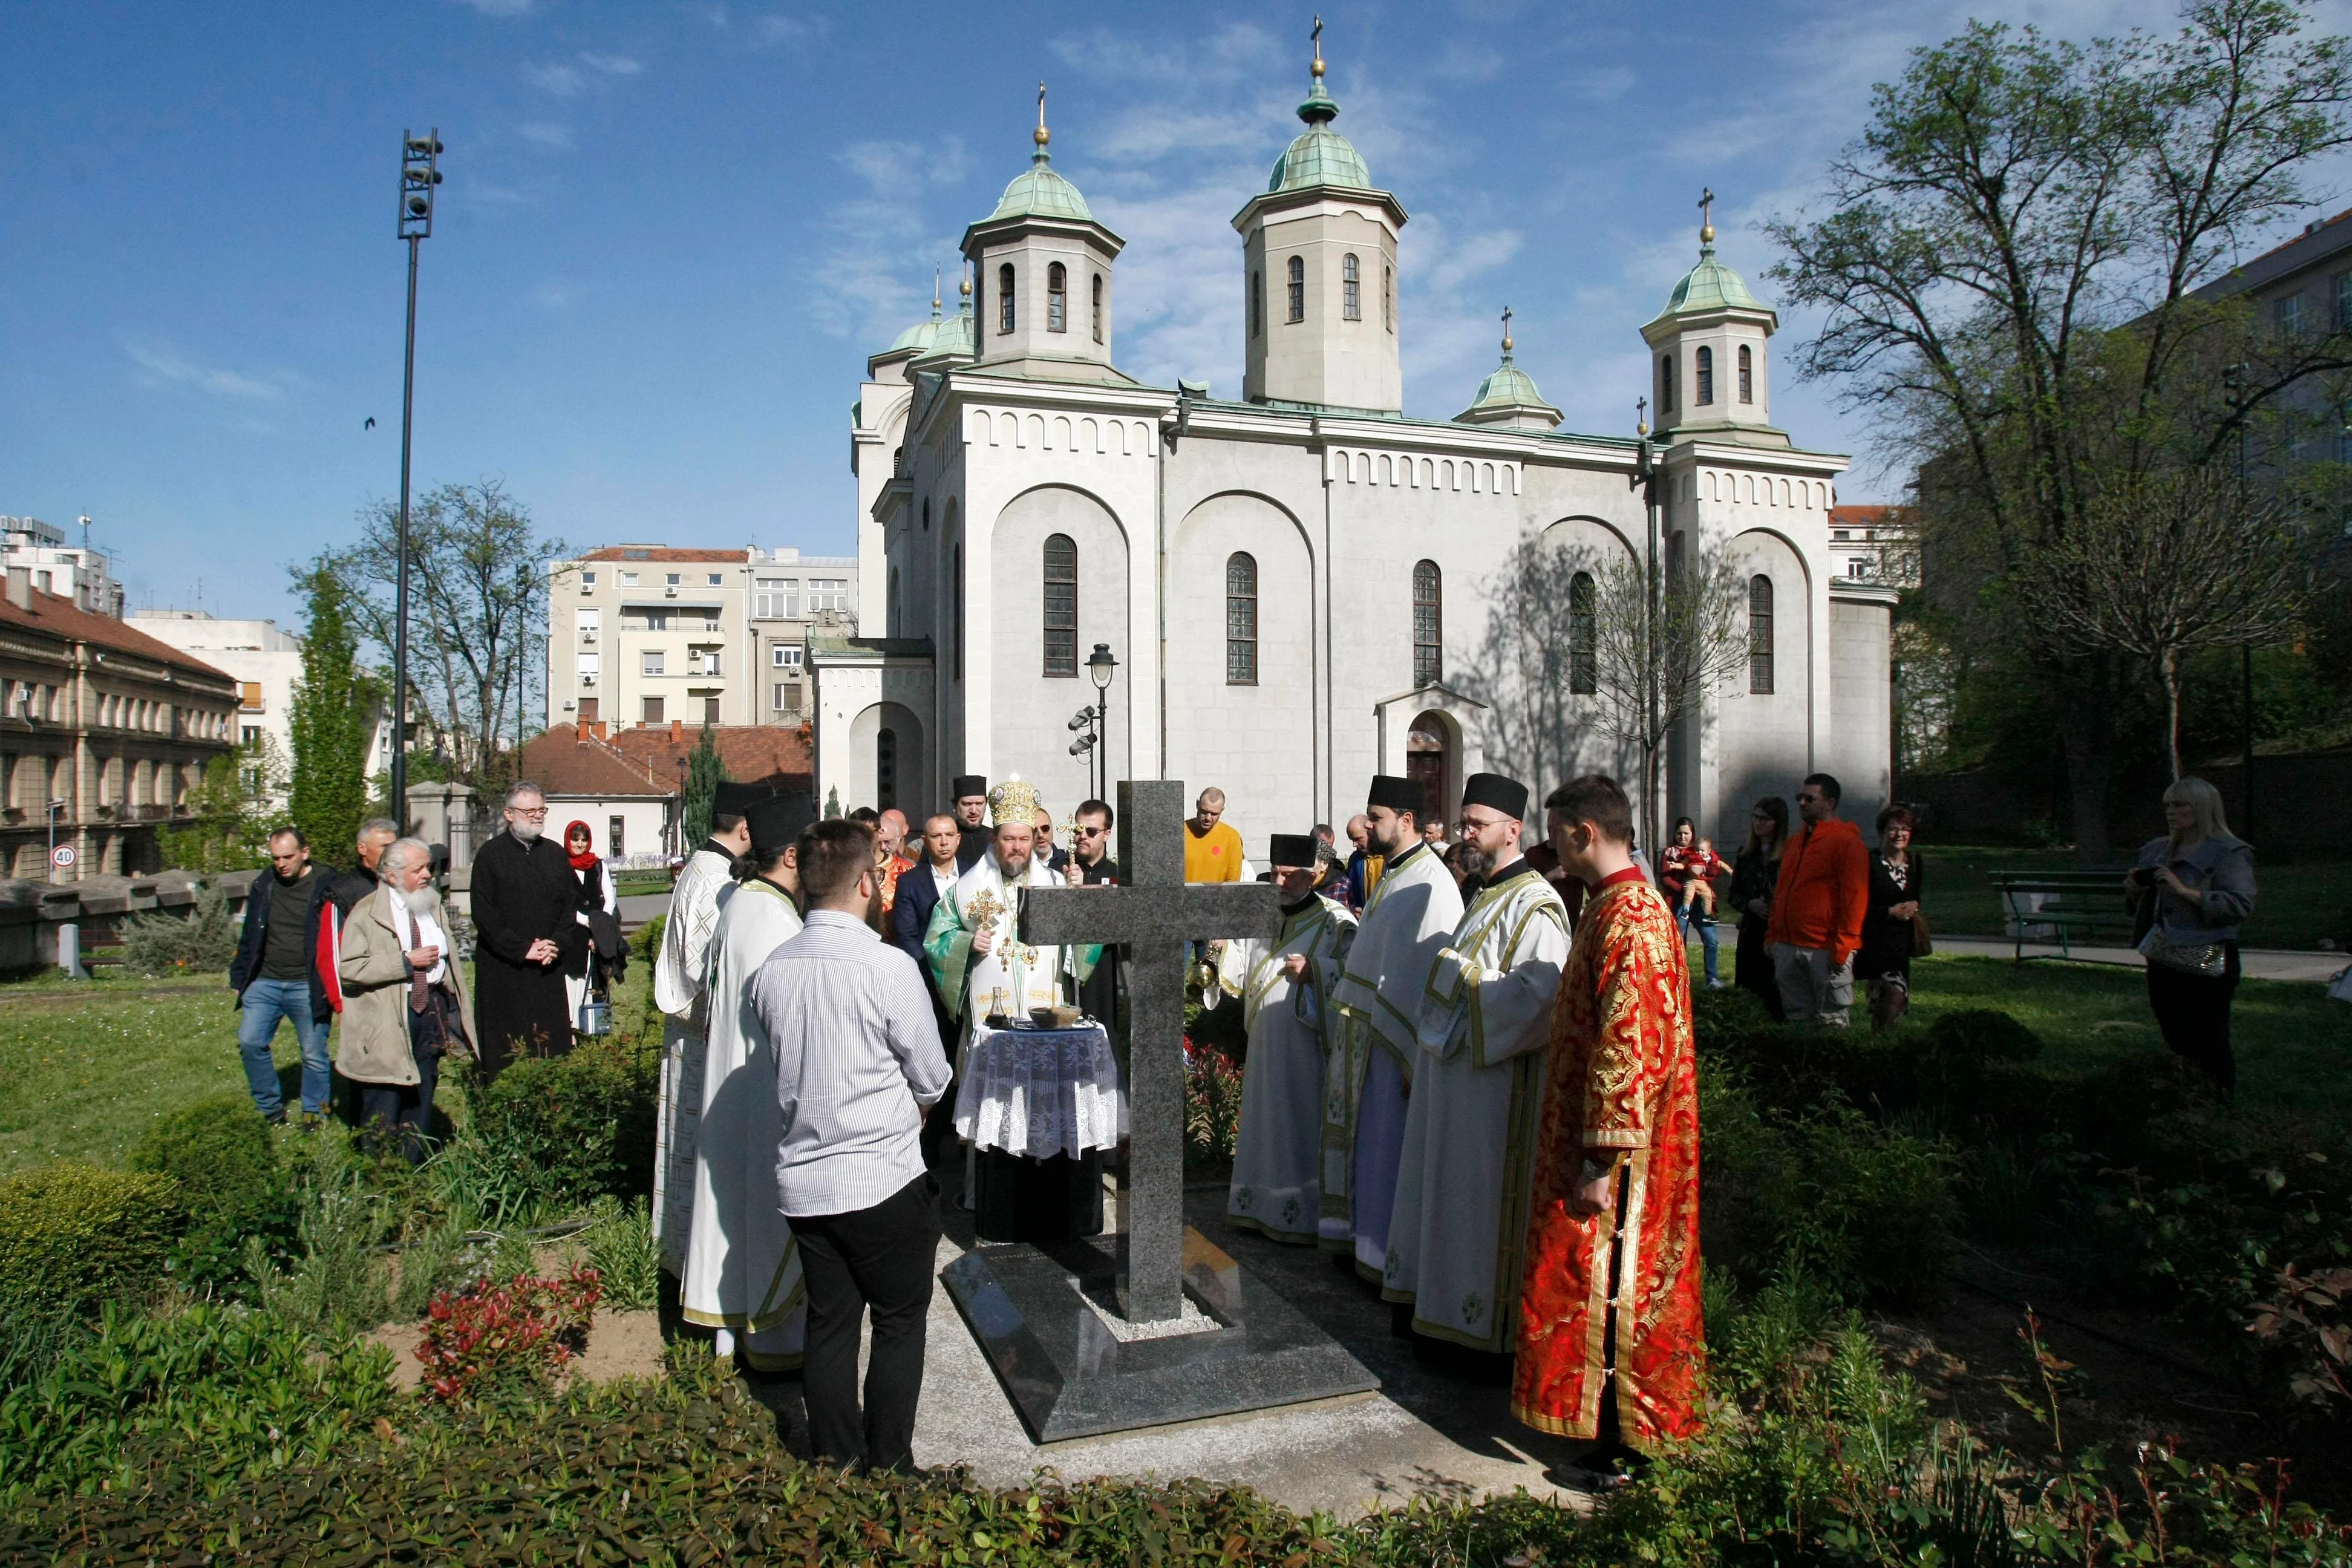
<point>1154,915</point>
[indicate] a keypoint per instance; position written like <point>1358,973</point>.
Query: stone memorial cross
<point>1154,915</point>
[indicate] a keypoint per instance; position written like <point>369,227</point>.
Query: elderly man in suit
<point>919,892</point>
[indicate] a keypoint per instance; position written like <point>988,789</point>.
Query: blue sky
<point>671,233</point>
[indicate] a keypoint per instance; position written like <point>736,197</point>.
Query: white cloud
<point>502,8</point>
<point>568,80</point>
<point>870,275</point>
<point>160,367</point>
<point>611,64</point>
<point>545,133</point>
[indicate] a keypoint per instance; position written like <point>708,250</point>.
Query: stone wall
<point>31,912</point>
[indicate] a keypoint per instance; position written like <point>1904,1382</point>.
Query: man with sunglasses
<point>1090,864</point>
<point>1817,909</point>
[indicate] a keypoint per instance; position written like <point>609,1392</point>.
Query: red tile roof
<point>645,760</point>
<point>60,616</point>
<point>656,552</point>
<point>1860,516</point>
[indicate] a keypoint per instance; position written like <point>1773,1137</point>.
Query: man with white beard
<point>1405,925</point>
<point>742,1272</point>
<point>681,980</point>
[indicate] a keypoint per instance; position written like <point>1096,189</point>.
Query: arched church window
<point>1057,297</point>
<point>1097,308</point>
<point>1702,391</point>
<point>1665,383</point>
<point>956,576</point>
<point>1746,375</point>
<point>1004,297</point>
<point>927,514</point>
<point>1583,635</point>
<point>1258,304</point>
<point>1060,606</point>
<point>1351,284</point>
<point>1428,624</point>
<point>1759,635</point>
<point>1387,298</point>
<point>886,770</point>
<point>1297,289</point>
<point>1241,619</point>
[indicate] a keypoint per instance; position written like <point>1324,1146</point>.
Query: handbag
<point>1922,946</point>
<point>2210,959</point>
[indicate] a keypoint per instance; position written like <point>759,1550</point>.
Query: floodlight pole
<point>420,172</point>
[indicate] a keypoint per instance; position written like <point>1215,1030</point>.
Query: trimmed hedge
<point>73,1235</point>
<point>579,1126</point>
<point>231,1180</point>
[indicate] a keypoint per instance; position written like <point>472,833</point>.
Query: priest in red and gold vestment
<point>1611,1343</point>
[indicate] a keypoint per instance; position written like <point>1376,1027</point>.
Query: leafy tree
<point>704,773</point>
<point>229,808</point>
<point>478,614</point>
<point>2006,278</point>
<point>333,712</point>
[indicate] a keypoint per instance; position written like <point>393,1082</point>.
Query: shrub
<point>336,1282</point>
<point>645,943</point>
<point>219,1389</point>
<point>580,1125</point>
<point>72,1235</point>
<point>232,1185</point>
<point>490,1338</point>
<point>1213,1109</point>
<point>620,1246</point>
<point>203,940</point>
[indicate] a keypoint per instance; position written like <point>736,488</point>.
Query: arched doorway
<point>1431,756</point>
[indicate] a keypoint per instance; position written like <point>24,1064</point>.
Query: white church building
<point>1303,586</point>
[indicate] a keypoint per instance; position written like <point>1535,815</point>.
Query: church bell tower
<point>1319,273</point>
<point>1708,372</point>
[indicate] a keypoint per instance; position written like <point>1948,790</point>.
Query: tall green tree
<point>334,709</point>
<point>704,773</point>
<point>229,818</point>
<point>2007,276</point>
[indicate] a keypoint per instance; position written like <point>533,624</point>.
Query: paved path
<point>2257,964</point>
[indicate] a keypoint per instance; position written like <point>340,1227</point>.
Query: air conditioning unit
<point>587,680</point>
<point>588,636</point>
<point>669,591</point>
<point>587,587</point>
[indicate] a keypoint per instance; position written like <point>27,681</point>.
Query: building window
<point>1060,606</point>
<point>1351,288</point>
<point>587,579</point>
<point>1057,297</point>
<point>1004,297</point>
<point>828,594</point>
<point>1097,308</point>
<point>1387,298</point>
<point>1583,635</point>
<point>714,579</point>
<point>1297,289</point>
<point>782,657</point>
<point>1258,304</point>
<point>710,710</point>
<point>783,697</point>
<point>1241,619</point>
<point>702,661</point>
<point>775,598</point>
<point>1665,383</point>
<point>1428,624</point>
<point>246,734</point>
<point>671,578</point>
<point>651,709</point>
<point>591,667</point>
<point>2290,316</point>
<point>652,661</point>
<point>1703,383</point>
<point>628,579</point>
<point>1759,635</point>
<point>588,710</point>
<point>615,837</point>
<point>886,770</point>
<point>248,696</point>
<point>1746,373</point>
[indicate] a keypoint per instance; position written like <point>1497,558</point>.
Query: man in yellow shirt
<point>1212,849</point>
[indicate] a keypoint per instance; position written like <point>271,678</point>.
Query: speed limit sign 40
<point>62,855</point>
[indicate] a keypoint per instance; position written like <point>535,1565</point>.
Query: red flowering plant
<point>490,1334</point>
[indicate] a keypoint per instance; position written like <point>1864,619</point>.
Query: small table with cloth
<point>1040,1107</point>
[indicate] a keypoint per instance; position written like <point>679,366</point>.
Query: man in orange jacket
<point>1817,909</point>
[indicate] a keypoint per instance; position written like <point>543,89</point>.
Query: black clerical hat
<point>968,784</point>
<point>731,799</point>
<point>1496,792</point>
<point>1397,794</point>
<point>776,821</point>
<point>1293,849</point>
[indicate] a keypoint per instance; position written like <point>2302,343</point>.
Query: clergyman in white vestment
<point>1407,921</point>
<point>1458,1234</point>
<point>742,1270</point>
<point>1282,984</point>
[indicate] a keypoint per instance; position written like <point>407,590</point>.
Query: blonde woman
<point>2192,888</point>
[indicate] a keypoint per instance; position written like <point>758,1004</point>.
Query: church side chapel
<point>1303,585</point>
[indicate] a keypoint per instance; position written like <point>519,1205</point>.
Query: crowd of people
<point>1468,1074</point>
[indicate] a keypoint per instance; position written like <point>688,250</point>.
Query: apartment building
<point>1875,544</point>
<point>648,633</point>
<point>73,572</point>
<point>103,731</point>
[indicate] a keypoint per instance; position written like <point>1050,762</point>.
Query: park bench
<point>2069,904</point>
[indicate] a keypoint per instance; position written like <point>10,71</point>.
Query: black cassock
<point>521,893</point>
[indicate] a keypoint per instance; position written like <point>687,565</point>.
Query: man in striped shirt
<point>857,1061</point>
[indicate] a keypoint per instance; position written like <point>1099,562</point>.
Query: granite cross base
<point>1069,1376</point>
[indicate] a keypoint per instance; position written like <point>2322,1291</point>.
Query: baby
<point>1701,866</point>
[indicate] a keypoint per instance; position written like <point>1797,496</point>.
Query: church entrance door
<point>1429,761</point>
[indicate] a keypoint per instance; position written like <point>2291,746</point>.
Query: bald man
<point>1213,847</point>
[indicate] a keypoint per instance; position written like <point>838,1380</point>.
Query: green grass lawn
<point>2297,904</point>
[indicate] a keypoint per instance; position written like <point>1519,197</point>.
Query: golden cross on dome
<point>1318,36</point>
<point>1043,135</point>
<point>1506,328</point>
<point>1706,217</point>
<point>1641,416</point>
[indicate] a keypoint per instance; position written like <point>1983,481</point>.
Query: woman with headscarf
<point>597,893</point>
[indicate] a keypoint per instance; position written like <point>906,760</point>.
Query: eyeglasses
<point>520,811</point>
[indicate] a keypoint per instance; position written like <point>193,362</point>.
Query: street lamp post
<point>420,172</point>
<point>2234,377</point>
<point>1101,667</point>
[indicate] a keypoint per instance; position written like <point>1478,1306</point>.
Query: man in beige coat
<point>404,1001</point>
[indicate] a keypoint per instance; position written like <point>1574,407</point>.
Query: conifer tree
<point>333,711</point>
<point>703,773</point>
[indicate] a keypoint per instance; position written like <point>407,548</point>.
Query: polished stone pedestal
<point>1070,1374</point>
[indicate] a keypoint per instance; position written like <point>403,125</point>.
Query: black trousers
<point>2193,1011</point>
<point>1751,966</point>
<point>876,1260</point>
<point>405,1110</point>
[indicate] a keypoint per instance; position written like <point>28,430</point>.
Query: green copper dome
<point>1508,386</point>
<point>1319,155</point>
<point>917,337</point>
<point>1038,192</point>
<point>1709,286</point>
